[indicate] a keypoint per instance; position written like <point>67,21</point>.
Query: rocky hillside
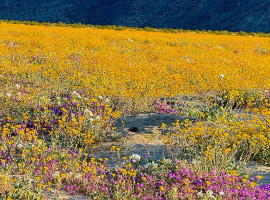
<point>232,15</point>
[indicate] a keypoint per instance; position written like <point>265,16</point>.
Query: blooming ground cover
<point>62,90</point>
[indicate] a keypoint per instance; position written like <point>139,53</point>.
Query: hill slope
<point>240,15</point>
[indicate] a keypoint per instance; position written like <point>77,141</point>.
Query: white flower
<point>209,192</point>
<point>155,165</point>
<point>221,193</point>
<point>9,94</point>
<point>194,162</point>
<point>100,98</point>
<point>69,174</point>
<point>221,76</point>
<point>88,112</point>
<point>147,165</point>
<point>91,119</point>
<point>77,94</point>
<point>56,174</point>
<point>59,103</point>
<point>107,100</point>
<point>200,194</point>
<point>219,98</point>
<point>19,146</point>
<point>78,176</point>
<point>98,117</point>
<point>210,195</point>
<point>136,157</point>
<point>17,86</point>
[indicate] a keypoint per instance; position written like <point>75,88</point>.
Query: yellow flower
<point>252,184</point>
<point>113,147</point>
<point>124,171</point>
<point>227,150</point>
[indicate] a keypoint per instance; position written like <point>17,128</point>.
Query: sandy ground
<point>255,169</point>
<point>142,142</point>
<point>140,136</point>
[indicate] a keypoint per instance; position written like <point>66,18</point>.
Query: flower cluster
<point>166,107</point>
<point>65,116</point>
<point>50,167</point>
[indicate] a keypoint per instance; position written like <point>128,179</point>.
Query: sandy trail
<point>137,131</point>
<point>139,142</point>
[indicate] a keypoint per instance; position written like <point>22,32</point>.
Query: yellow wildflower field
<point>64,91</point>
<point>131,63</point>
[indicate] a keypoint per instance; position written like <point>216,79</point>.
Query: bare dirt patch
<point>146,140</point>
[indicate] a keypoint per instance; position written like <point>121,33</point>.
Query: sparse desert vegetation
<point>63,90</point>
